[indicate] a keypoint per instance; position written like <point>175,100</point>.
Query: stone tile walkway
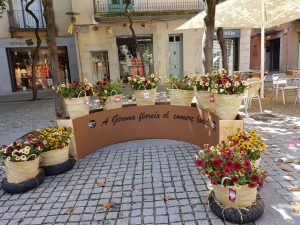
<point>148,182</point>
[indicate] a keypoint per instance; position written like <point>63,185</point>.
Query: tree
<point>37,49</point>
<point>222,42</point>
<point>208,35</point>
<point>3,7</point>
<point>52,46</point>
<point>138,49</point>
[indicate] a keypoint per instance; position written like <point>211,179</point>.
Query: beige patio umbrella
<point>250,14</point>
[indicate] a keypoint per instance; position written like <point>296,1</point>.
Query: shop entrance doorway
<point>175,55</point>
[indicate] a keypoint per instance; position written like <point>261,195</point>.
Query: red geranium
<point>217,163</point>
<point>199,163</point>
<point>234,179</point>
<point>229,164</point>
<point>218,174</point>
<point>254,178</point>
<point>227,170</point>
<point>237,166</point>
<point>252,185</point>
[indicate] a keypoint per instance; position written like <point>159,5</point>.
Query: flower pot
<point>77,107</point>
<point>227,106</point>
<point>256,163</point>
<point>145,97</point>
<point>112,102</point>
<point>206,100</point>
<point>181,97</point>
<point>54,157</point>
<point>17,172</point>
<point>244,196</point>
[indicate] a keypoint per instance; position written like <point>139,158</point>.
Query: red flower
<point>218,174</point>
<point>228,154</point>
<point>217,163</point>
<point>254,178</point>
<point>234,179</point>
<point>199,163</point>
<point>252,185</point>
<point>227,170</point>
<point>237,166</point>
<point>229,164</point>
<point>214,182</point>
<point>247,163</point>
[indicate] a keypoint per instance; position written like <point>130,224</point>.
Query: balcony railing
<point>20,19</point>
<point>143,6</point>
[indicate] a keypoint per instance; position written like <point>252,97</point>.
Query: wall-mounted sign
<point>230,33</point>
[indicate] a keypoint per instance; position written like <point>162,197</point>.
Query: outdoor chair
<point>280,83</point>
<point>252,93</point>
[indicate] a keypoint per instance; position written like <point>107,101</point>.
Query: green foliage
<point>144,83</point>
<point>105,88</point>
<point>75,89</point>
<point>3,7</point>
<point>186,83</point>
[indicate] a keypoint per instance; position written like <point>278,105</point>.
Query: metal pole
<point>262,49</point>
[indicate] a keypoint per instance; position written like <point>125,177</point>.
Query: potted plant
<point>232,175</point>
<point>205,99</point>
<point>250,144</point>
<point>109,93</point>
<point>21,163</point>
<point>76,96</point>
<point>228,92</point>
<point>144,88</point>
<point>182,90</point>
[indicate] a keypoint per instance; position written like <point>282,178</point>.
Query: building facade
<point>17,45</point>
<point>106,47</point>
<point>282,47</point>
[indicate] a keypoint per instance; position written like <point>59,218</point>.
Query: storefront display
<point>21,60</point>
<point>130,60</point>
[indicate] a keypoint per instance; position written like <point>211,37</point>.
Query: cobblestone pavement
<point>148,182</point>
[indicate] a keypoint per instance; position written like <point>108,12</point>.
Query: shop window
<point>21,60</point>
<point>100,65</point>
<point>130,60</point>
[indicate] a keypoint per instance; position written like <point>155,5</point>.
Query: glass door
<point>100,65</point>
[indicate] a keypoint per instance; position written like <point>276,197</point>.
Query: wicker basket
<point>54,157</point>
<point>227,106</point>
<point>206,100</point>
<point>145,97</point>
<point>244,196</point>
<point>77,107</point>
<point>17,172</point>
<point>256,163</point>
<point>181,97</point>
<point>112,101</point>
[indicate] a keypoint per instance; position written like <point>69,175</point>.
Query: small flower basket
<point>205,99</point>
<point>109,93</point>
<point>228,92</point>
<point>55,152</point>
<point>250,144</point>
<point>144,88</point>
<point>76,96</point>
<point>234,178</point>
<point>21,163</point>
<point>182,90</point>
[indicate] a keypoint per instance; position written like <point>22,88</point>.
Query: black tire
<point>233,215</point>
<point>22,187</point>
<point>60,168</point>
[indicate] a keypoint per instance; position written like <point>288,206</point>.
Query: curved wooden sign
<point>188,124</point>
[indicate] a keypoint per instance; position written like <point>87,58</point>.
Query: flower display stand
<point>160,121</point>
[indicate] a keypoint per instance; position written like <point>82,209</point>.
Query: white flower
<point>44,142</point>
<point>148,81</point>
<point>8,158</point>
<point>214,91</point>
<point>155,79</point>
<point>23,158</point>
<point>63,85</point>
<point>14,152</point>
<point>105,91</point>
<point>27,148</point>
<point>129,78</point>
<point>152,75</point>
<point>243,82</point>
<point>26,152</point>
<point>216,85</point>
<point>207,84</point>
<point>134,79</point>
<point>85,80</point>
<point>221,90</point>
<point>228,84</point>
<point>201,152</point>
<point>17,158</point>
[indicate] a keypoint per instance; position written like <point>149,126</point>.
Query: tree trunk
<point>37,49</point>
<point>208,35</point>
<point>222,42</point>
<point>138,49</point>
<point>54,65</point>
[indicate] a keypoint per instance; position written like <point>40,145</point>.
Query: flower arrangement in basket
<point>228,92</point>
<point>181,90</point>
<point>234,178</point>
<point>56,144</point>
<point>21,159</point>
<point>76,97</point>
<point>250,143</point>
<point>109,93</point>
<point>144,88</point>
<point>205,98</point>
